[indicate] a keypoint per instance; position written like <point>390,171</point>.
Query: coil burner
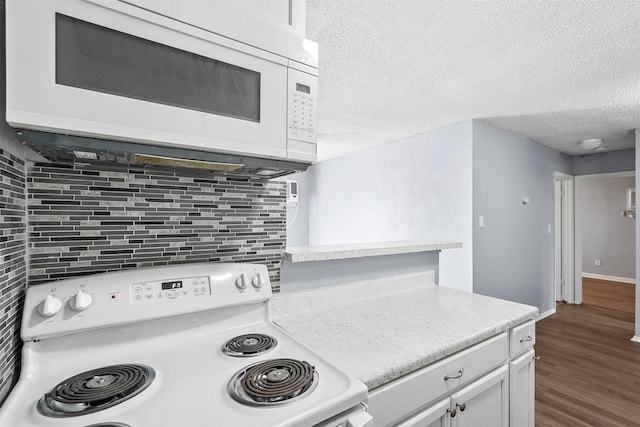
<point>95,390</point>
<point>109,424</point>
<point>273,382</point>
<point>249,345</point>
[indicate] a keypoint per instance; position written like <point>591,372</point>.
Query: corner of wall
<point>512,250</point>
<point>637,162</point>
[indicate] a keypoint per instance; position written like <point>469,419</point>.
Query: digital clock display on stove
<point>176,284</point>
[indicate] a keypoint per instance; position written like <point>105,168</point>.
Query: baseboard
<point>636,338</point>
<point>609,278</point>
<point>546,314</point>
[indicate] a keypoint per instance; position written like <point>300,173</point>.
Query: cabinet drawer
<point>406,395</point>
<point>522,338</point>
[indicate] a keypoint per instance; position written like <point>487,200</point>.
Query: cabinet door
<point>485,403</point>
<point>434,416</point>
<point>276,12</point>
<point>289,15</point>
<point>522,391</point>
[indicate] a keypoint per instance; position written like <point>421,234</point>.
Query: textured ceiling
<point>555,72</point>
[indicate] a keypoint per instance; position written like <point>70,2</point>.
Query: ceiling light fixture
<point>592,144</point>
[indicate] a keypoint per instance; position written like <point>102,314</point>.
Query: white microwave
<point>121,71</point>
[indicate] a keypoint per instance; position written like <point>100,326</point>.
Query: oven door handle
<point>361,419</point>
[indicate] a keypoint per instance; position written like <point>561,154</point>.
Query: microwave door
<point>96,58</point>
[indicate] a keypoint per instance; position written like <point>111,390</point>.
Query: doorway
<point>564,265</point>
<point>605,238</point>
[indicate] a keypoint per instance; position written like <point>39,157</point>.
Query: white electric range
<point>188,345</point>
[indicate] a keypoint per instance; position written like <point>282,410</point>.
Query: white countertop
<point>383,329</point>
<point>358,250</point>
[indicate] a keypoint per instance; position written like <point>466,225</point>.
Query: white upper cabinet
<point>286,14</point>
<point>277,26</point>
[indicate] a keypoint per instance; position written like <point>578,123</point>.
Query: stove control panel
<point>128,296</point>
<point>50,306</point>
<point>169,290</point>
<point>81,301</point>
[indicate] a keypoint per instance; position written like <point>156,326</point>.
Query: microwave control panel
<point>302,106</point>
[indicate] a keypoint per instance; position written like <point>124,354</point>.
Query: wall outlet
<point>481,221</point>
<point>597,263</point>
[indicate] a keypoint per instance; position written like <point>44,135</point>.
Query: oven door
<point>112,70</point>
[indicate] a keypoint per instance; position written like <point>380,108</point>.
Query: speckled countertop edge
<point>380,338</point>
<point>358,250</point>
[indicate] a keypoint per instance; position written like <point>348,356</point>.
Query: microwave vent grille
<point>150,159</point>
<point>61,148</point>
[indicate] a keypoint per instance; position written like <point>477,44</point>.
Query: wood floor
<point>613,295</point>
<point>589,370</point>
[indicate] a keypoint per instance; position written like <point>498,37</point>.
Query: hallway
<point>589,370</point>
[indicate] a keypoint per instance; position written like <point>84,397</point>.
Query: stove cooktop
<point>188,356</point>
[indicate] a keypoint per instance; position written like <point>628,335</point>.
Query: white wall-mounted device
<point>292,192</point>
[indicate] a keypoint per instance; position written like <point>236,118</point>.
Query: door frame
<point>578,223</point>
<point>564,238</point>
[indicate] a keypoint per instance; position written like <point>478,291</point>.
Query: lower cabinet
<point>490,384</point>
<point>436,415</point>
<point>522,378</point>
<point>483,403</point>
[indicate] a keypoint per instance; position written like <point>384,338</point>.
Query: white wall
<point>606,235</point>
<point>418,188</point>
<point>605,162</point>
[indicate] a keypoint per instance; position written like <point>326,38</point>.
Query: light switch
<point>549,228</point>
<point>481,221</point>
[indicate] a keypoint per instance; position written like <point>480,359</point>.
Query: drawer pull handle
<point>452,412</point>
<point>462,407</point>
<point>528,338</point>
<point>453,377</point>
<point>536,358</point>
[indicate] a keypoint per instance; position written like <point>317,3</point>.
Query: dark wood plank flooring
<point>589,370</point>
<point>612,295</point>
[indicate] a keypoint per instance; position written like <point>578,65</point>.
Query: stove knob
<point>241,281</point>
<point>50,306</point>
<point>257,281</point>
<point>81,301</point>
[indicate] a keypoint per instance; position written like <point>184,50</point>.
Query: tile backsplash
<point>12,264</point>
<point>88,219</point>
